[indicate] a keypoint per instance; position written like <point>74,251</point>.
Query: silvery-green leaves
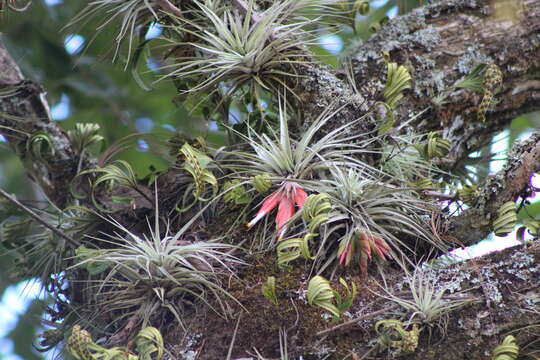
<point>282,156</point>
<point>165,263</point>
<point>374,207</point>
<point>126,14</point>
<point>426,303</point>
<point>239,47</point>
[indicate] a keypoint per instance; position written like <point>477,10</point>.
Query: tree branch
<point>37,218</point>
<point>24,112</point>
<point>442,43</point>
<point>498,296</point>
<point>507,185</point>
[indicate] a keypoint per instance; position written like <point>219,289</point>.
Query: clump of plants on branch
<point>135,275</point>
<point>336,201</point>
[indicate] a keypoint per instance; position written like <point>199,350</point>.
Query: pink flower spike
<point>365,245</point>
<point>268,205</point>
<point>284,214</point>
<point>382,248</point>
<point>300,196</point>
<point>343,257</point>
<point>379,252</point>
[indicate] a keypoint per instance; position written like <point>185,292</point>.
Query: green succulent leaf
<point>434,147</point>
<point>320,294</point>
<point>235,193</point>
<point>269,290</point>
<point>196,164</point>
<point>506,219</point>
<point>40,145</point>
<point>149,344</point>
<point>262,183</point>
<point>474,80</point>
<point>344,303</point>
<point>83,253</point>
<point>507,350</point>
<point>397,80</point>
<point>84,135</point>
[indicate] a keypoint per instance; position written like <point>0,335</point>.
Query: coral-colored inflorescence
<point>285,198</point>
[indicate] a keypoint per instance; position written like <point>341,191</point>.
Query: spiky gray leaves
<point>239,45</point>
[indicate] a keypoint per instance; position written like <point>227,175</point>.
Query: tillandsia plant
<point>426,304</point>
<point>291,165</point>
<point>369,216</point>
<point>237,43</point>
<point>128,15</point>
<point>156,271</point>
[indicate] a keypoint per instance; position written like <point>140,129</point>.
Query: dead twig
<point>36,217</point>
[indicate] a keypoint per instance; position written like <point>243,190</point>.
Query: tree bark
<point>24,112</point>
<point>499,293</point>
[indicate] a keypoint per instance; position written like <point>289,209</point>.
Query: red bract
<point>346,255</point>
<point>268,205</point>
<point>284,214</point>
<point>367,244</point>
<point>285,198</point>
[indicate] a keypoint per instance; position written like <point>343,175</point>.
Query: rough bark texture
<point>24,113</point>
<point>507,185</point>
<point>440,43</point>
<point>501,290</point>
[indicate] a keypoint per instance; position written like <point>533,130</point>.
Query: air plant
<point>239,45</point>
<point>403,159</point>
<point>157,270</point>
<point>285,198</point>
<point>291,164</point>
<point>426,304</point>
<point>368,218</point>
<point>127,15</point>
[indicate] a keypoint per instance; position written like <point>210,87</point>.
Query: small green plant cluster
<point>392,335</point>
<point>507,350</point>
<point>321,294</point>
<point>506,219</point>
<point>148,342</point>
